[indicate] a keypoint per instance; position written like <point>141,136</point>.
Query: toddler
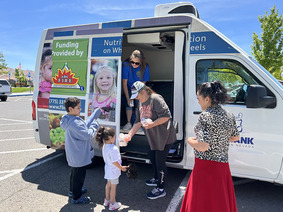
<point>105,137</point>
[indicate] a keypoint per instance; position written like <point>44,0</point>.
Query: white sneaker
<point>114,206</point>
<point>106,202</point>
<point>128,126</point>
<point>140,131</point>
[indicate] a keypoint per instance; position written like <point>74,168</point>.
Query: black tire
<point>4,98</point>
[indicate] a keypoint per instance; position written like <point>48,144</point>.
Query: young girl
<point>106,138</point>
<point>104,90</point>
<point>46,74</point>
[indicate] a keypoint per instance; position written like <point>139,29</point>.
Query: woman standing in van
<point>210,187</point>
<point>154,115</point>
<point>134,69</point>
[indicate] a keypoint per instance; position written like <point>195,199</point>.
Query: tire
<point>4,98</point>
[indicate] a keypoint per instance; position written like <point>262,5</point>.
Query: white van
<point>182,51</point>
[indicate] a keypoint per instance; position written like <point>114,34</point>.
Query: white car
<point>5,89</point>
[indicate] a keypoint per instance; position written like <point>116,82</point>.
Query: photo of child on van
<point>104,92</point>
<point>45,77</point>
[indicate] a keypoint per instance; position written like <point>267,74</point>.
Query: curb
<point>21,94</point>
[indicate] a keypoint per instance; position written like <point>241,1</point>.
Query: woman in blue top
<point>134,69</point>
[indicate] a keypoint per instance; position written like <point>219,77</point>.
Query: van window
<point>4,82</point>
<point>234,76</point>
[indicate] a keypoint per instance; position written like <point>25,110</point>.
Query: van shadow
<point>53,177</point>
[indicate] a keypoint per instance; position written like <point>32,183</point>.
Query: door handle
<point>196,112</point>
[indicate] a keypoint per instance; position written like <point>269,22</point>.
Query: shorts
<point>113,181</point>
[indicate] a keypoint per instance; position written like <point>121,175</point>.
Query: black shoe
<point>70,194</point>
<point>151,182</point>
<point>156,193</point>
<point>82,200</point>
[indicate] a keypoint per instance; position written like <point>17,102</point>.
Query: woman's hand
<point>148,124</point>
<point>198,145</point>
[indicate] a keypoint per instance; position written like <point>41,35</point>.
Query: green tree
<point>3,65</point>
<point>267,50</point>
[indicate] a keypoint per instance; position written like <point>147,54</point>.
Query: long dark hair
<point>104,134</point>
<point>215,91</point>
<point>139,54</point>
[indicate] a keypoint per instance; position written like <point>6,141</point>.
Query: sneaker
<point>156,193</point>
<point>82,200</point>
<point>128,126</point>
<point>140,131</point>
<point>106,202</point>
<point>151,182</point>
<point>70,194</point>
<point>114,206</point>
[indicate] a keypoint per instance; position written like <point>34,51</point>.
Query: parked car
<point>5,89</point>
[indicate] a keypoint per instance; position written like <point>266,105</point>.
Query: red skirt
<point>210,188</point>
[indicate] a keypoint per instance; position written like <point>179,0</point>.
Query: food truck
<point>182,51</point>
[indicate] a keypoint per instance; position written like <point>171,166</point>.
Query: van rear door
<point>77,54</point>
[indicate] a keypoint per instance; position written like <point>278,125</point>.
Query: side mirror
<point>257,97</point>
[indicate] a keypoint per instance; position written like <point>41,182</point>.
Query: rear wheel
<point>4,98</point>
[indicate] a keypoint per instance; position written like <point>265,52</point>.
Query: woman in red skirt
<point>210,188</point>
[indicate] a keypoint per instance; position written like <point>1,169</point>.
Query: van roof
<point>107,26</point>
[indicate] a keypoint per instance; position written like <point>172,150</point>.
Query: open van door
<point>78,52</point>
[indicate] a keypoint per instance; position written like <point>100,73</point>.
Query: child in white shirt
<point>105,137</point>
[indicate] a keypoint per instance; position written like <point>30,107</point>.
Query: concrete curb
<point>21,94</point>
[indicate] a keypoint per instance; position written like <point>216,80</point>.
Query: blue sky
<point>22,22</point>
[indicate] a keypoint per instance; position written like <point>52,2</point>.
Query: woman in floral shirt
<point>210,187</point>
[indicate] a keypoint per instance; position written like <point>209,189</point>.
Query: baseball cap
<point>136,88</point>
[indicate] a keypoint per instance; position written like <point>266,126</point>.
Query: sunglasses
<point>137,64</point>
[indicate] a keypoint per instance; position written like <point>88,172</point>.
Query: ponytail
<point>103,134</point>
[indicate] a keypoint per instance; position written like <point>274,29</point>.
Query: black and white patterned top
<point>215,126</point>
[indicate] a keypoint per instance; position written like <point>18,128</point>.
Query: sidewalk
<point>28,93</point>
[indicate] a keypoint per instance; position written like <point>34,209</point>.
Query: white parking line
<point>24,150</point>
<point>15,139</point>
<point>173,205</point>
<point>15,130</point>
<point>14,124</point>
<point>4,119</point>
<point>17,171</point>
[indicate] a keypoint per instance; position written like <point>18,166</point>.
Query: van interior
<point>158,49</point>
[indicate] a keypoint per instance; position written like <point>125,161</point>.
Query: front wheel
<point>4,98</point>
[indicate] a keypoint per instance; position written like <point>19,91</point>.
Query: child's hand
<point>97,113</point>
<point>124,168</point>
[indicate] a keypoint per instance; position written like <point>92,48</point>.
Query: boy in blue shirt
<point>77,146</point>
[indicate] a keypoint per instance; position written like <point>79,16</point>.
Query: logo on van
<point>246,142</point>
<point>65,77</point>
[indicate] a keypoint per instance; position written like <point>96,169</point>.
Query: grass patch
<point>21,89</point>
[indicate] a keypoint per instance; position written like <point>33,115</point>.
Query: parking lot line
<point>3,131</point>
<point>24,150</point>
<point>174,203</point>
<point>15,139</point>
<point>16,120</point>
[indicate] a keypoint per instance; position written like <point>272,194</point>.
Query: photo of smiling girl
<point>104,95</point>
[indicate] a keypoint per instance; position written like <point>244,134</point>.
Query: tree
<point>3,65</point>
<point>268,50</point>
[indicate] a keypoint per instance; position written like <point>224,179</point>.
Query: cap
<point>136,88</point>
